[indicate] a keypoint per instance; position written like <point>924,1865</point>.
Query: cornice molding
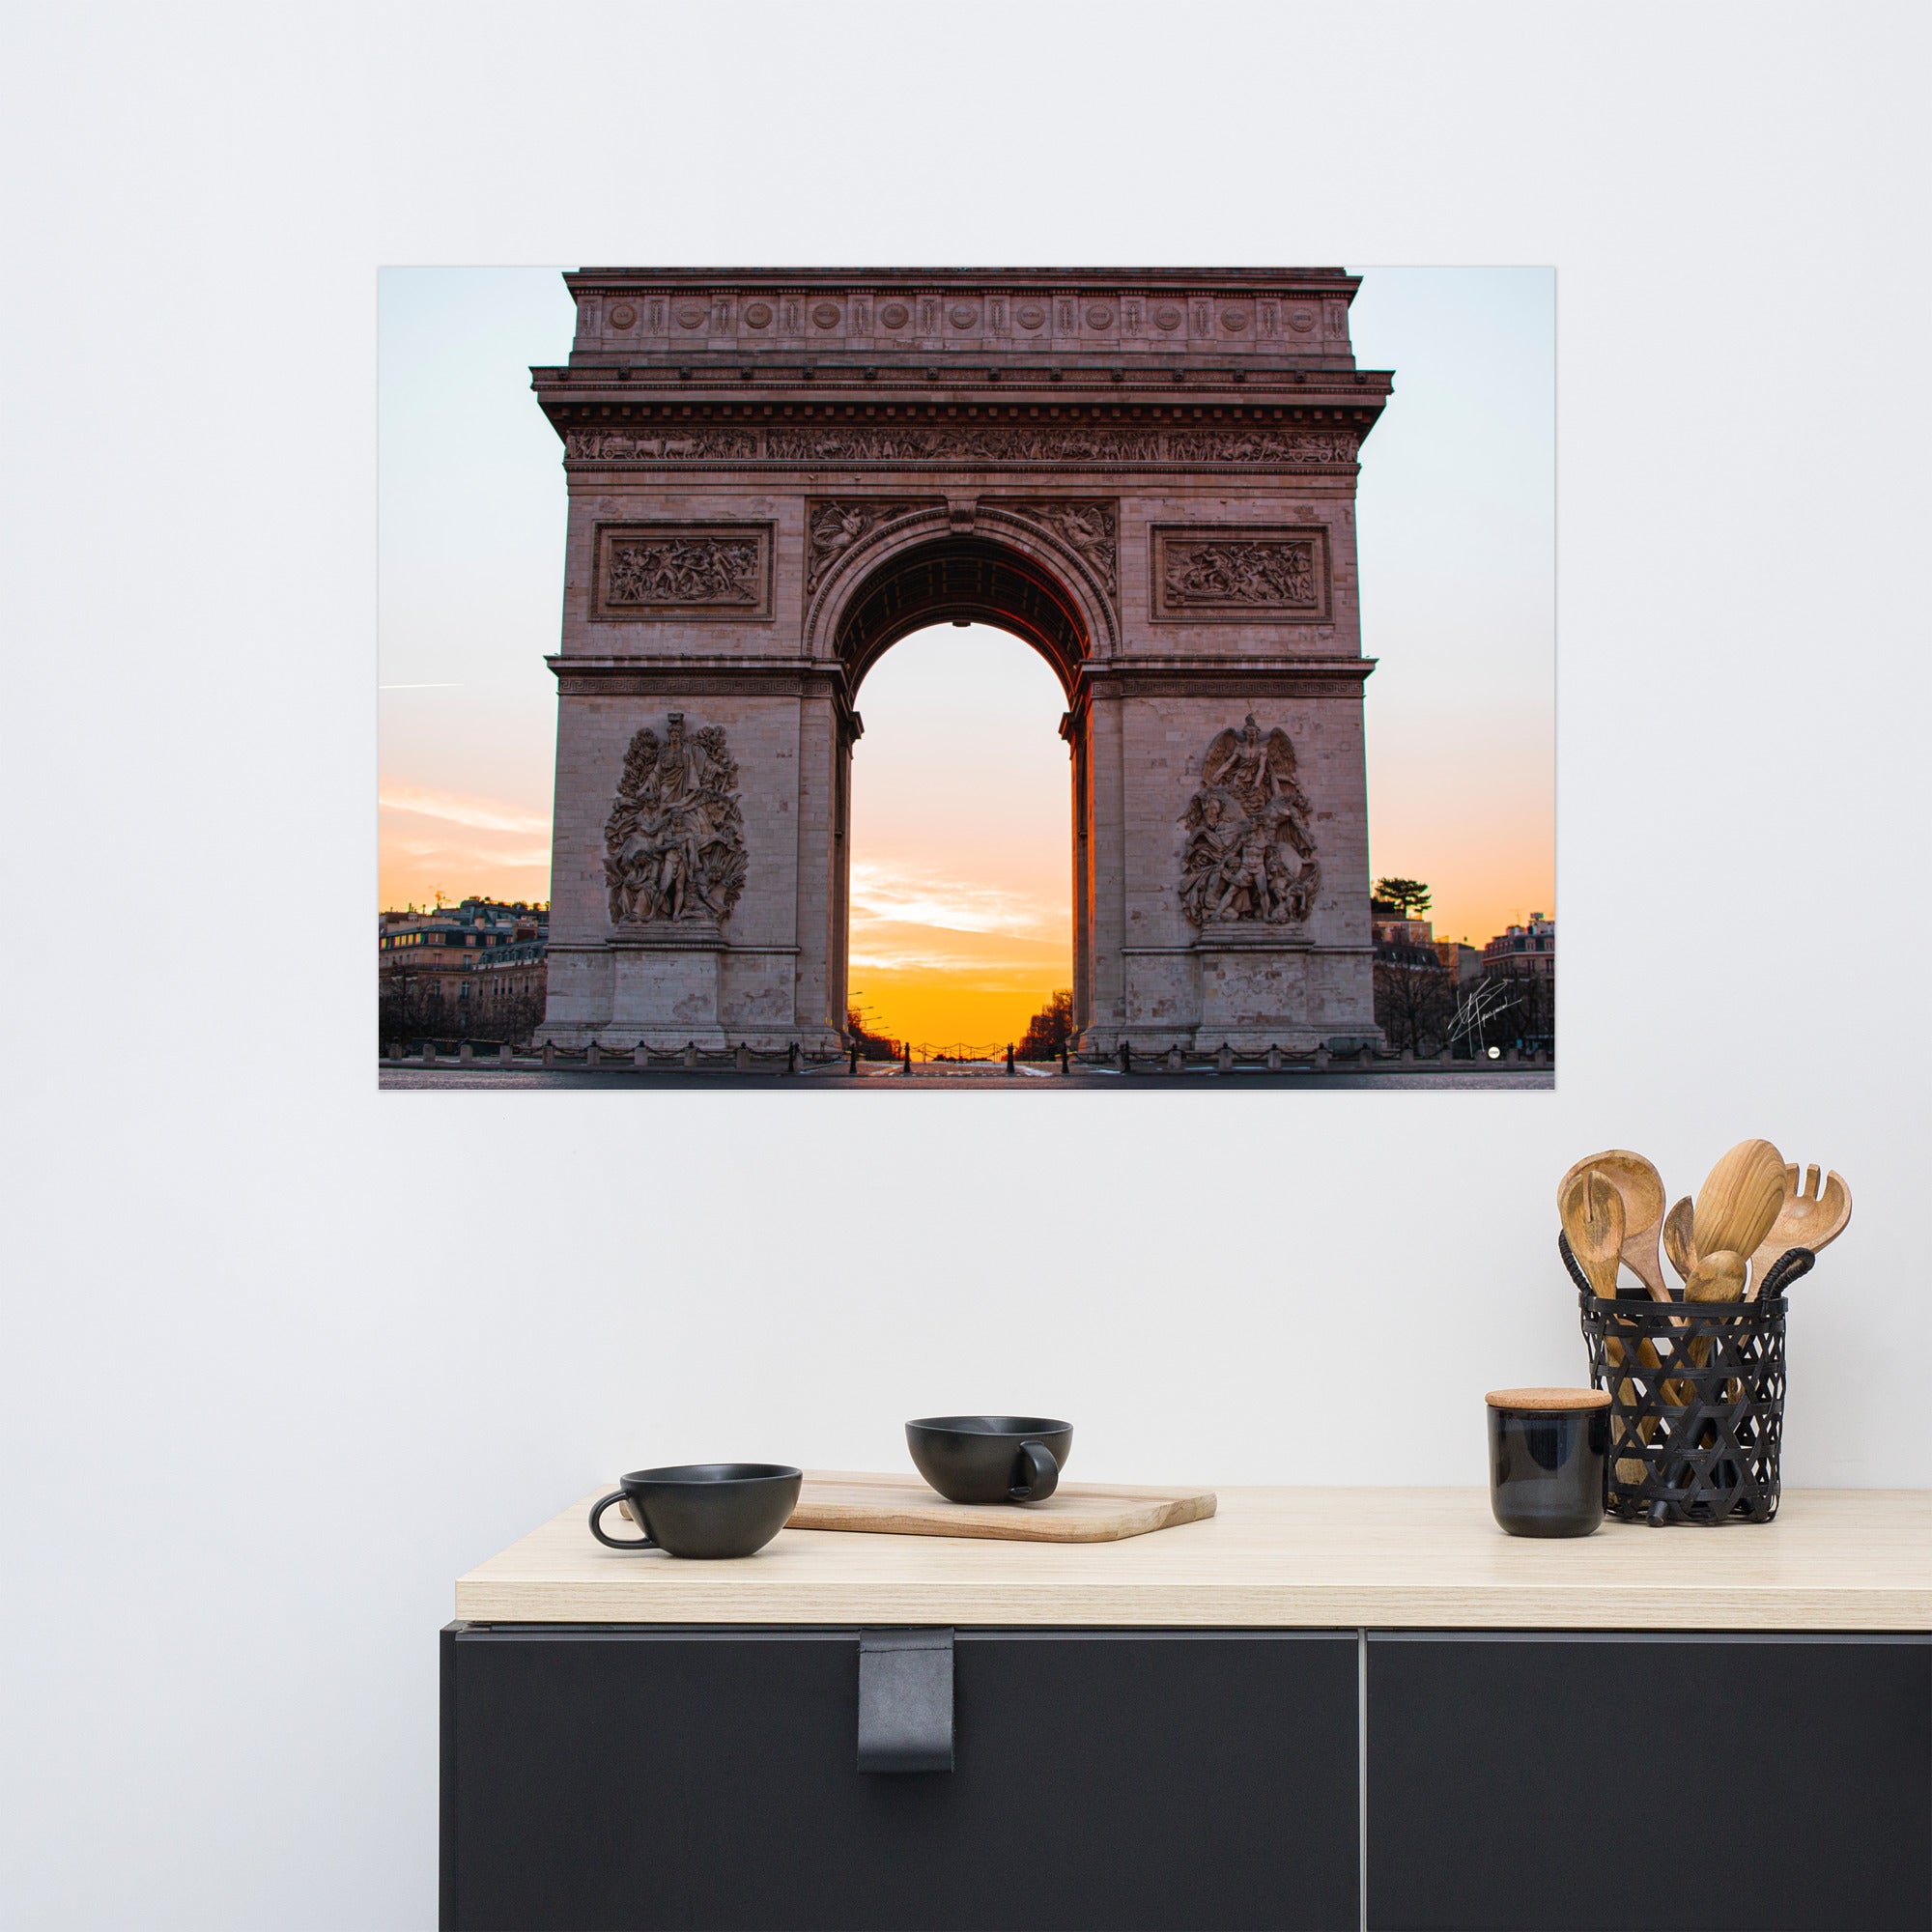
<point>1224,680</point>
<point>659,675</point>
<point>1175,282</point>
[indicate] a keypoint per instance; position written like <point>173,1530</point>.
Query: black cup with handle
<point>702,1509</point>
<point>990,1459</point>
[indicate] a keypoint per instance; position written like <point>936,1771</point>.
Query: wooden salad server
<point>1809,1216</point>
<point>1592,1212</point>
<point>1641,1187</point>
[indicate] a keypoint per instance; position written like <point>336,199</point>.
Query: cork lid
<point>1548,1401</point>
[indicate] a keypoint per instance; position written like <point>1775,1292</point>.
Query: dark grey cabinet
<point>612,1776</point>
<point>604,1778</point>
<point>1582,1782</point>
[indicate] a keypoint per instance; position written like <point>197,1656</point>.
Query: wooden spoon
<point>1716,1277</point>
<point>1680,1240</point>
<point>1593,1218</point>
<point>1641,1187</point>
<point>1739,1201</point>
<point>1808,1217</point>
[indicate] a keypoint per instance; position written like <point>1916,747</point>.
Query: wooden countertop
<point>1835,1559</point>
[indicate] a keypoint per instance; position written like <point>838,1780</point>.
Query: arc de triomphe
<point>1149,475</point>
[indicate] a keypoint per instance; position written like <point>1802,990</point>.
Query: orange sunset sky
<point>961,896</point>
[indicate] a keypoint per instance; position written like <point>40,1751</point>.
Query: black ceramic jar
<point>1549,1459</point>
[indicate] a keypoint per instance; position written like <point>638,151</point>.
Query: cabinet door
<point>1620,1781</point>
<point>603,1778</point>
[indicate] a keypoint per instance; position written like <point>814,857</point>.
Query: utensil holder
<point>1701,1407</point>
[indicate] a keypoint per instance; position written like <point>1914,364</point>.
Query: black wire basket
<point>1697,1399</point>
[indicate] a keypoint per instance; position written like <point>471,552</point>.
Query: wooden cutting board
<point>1076,1513</point>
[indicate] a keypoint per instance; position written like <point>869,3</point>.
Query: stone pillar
<point>1075,729</point>
<point>1107,869</point>
<point>819,850</point>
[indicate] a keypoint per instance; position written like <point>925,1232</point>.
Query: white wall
<point>284,1356</point>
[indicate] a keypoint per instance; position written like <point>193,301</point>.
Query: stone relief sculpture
<point>684,570</point>
<point>1086,528</point>
<point>1231,573</point>
<point>674,845</point>
<point>833,528</point>
<point>1248,857</point>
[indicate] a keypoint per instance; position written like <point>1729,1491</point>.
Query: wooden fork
<point>1809,1216</point>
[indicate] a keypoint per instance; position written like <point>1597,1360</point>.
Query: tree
<point>1050,1028</point>
<point>1415,1000</point>
<point>408,1009</point>
<point>412,1007</point>
<point>871,1045</point>
<point>1407,896</point>
<point>1523,1009</point>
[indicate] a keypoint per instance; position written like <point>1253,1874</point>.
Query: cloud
<point>906,896</point>
<point>483,815</point>
<point>894,946</point>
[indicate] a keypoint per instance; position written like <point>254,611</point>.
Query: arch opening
<point>963,579</point>
<point>960,920</point>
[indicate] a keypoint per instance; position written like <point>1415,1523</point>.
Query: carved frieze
<point>1088,527</point>
<point>1261,445</point>
<point>1249,861</point>
<point>833,525</point>
<point>690,570</point>
<point>672,444</point>
<point>675,843</point>
<point>807,444</point>
<point>1000,443</point>
<point>1244,574</point>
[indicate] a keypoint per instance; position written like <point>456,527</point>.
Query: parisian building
<point>471,969</point>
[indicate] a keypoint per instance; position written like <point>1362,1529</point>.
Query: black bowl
<point>990,1459</point>
<point>703,1509</point>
